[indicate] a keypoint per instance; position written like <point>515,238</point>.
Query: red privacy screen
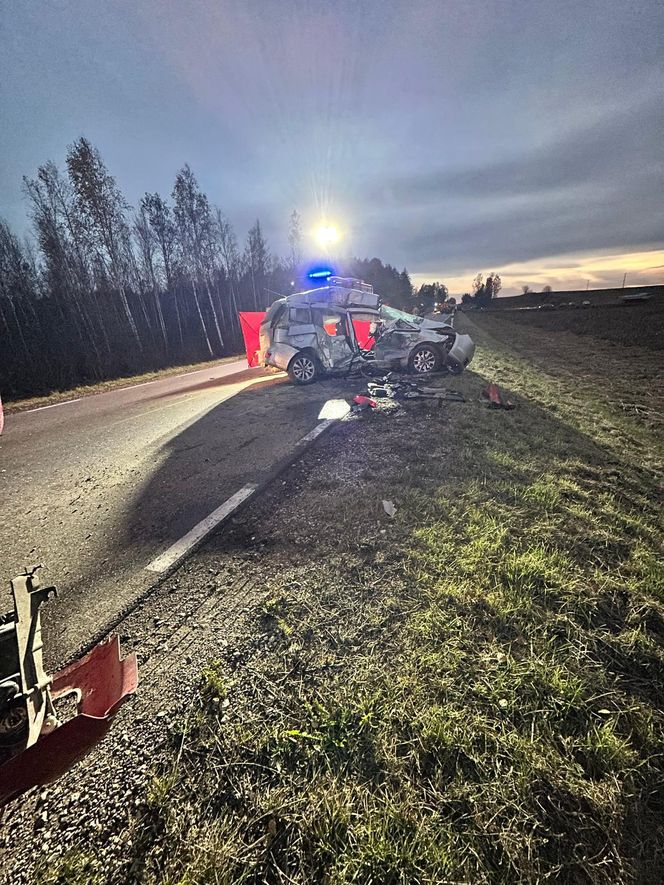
<point>251,323</point>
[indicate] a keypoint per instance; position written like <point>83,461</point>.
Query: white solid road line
<point>134,386</point>
<point>183,375</point>
<point>176,552</point>
<point>311,436</point>
<point>52,406</point>
<point>179,550</point>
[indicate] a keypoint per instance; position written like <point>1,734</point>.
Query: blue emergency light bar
<point>320,273</point>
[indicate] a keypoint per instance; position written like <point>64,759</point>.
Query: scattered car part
<point>494,395</point>
<point>410,390</point>
<point>360,403</point>
<point>35,746</point>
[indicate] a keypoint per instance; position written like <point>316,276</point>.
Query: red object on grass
<point>494,394</point>
<point>363,402</point>
<point>250,321</point>
<point>105,681</point>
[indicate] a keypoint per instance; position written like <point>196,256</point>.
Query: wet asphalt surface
<point>96,489</point>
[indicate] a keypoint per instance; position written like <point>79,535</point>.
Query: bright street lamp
<point>326,234</point>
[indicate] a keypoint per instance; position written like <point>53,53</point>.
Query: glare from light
<point>326,234</point>
<point>334,408</point>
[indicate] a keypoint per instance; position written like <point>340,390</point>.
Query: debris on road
<point>36,747</point>
<point>361,403</point>
<point>402,389</point>
<point>333,409</point>
<point>493,394</point>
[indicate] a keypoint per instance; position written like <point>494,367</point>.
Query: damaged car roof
<point>340,291</point>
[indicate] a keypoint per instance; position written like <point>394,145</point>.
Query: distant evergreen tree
<point>430,294</point>
<point>395,287</point>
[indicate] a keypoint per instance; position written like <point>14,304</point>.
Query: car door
<point>335,345</point>
<point>395,342</point>
<point>296,328</point>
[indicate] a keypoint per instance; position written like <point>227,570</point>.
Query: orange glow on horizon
<point>572,271</point>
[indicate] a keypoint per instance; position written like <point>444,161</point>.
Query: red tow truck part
<point>103,682</point>
<point>35,746</point>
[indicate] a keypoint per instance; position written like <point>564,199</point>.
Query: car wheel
<point>303,369</point>
<point>424,359</point>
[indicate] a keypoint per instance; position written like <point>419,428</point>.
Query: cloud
<point>595,188</point>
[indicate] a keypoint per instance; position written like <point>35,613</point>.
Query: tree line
<point>102,291</point>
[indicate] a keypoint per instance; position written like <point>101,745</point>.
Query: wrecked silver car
<point>342,326</point>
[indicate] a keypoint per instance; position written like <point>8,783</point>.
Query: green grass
<point>472,692</point>
<point>78,868</point>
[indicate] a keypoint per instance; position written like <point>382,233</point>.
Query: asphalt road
<point>96,489</point>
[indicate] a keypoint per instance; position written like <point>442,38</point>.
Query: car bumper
<point>461,352</point>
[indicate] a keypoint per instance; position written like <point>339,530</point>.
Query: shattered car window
<point>277,315</point>
<point>332,323</point>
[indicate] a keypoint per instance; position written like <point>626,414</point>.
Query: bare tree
<point>295,240</point>
<point>230,258</point>
<point>15,284</point>
<point>257,258</point>
<point>161,222</point>
<point>194,229</point>
<point>147,247</point>
<point>103,208</point>
<point>65,247</point>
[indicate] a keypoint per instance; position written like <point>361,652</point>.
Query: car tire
<point>425,359</point>
<point>303,368</point>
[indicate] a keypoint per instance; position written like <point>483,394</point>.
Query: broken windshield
<point>391,314</point>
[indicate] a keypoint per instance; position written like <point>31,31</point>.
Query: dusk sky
<point>449,137</point>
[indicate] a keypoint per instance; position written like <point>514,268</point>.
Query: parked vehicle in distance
<point>340,326</point>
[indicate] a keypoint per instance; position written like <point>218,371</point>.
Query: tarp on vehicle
<point>363,334</point>
<point>250,321</point>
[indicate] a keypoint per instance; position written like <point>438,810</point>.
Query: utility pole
<point>624,278</point>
